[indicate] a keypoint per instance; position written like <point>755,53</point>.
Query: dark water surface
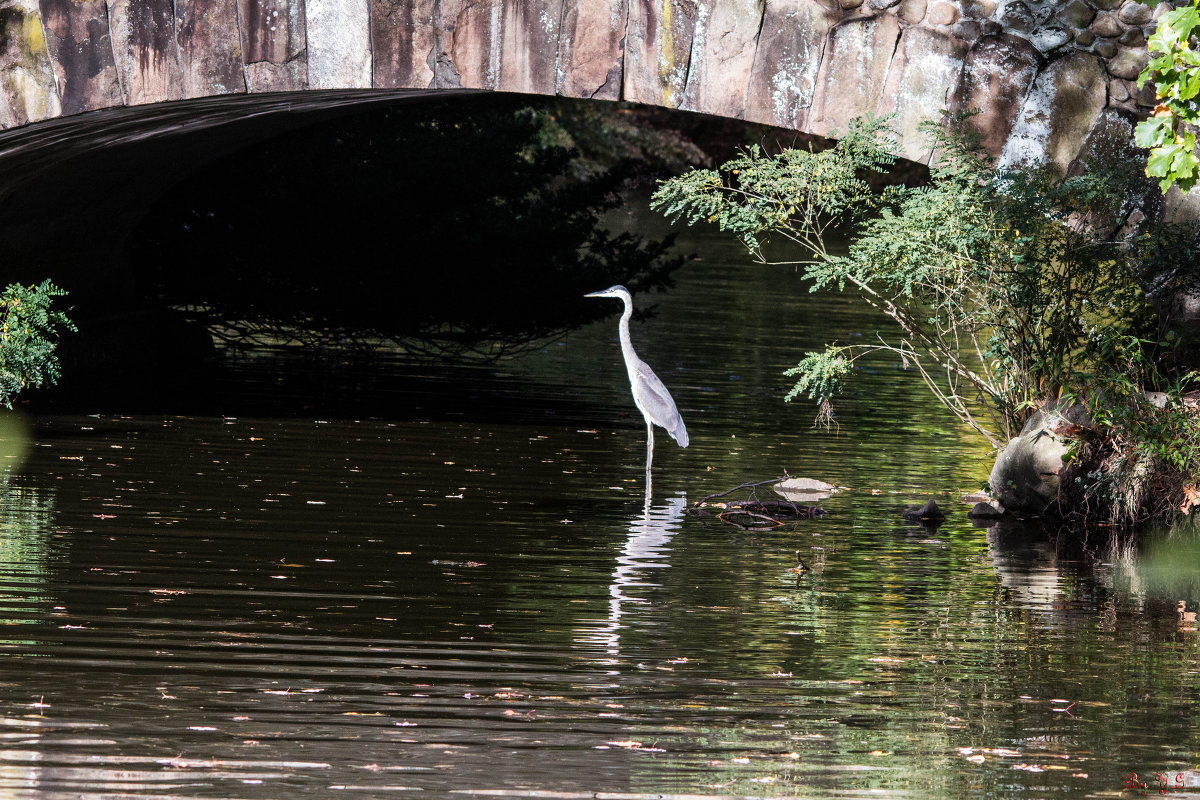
<point>467,597</point>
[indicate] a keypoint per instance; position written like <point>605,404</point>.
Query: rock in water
<point>928,512</point>
<point>1025,477</point>
<point>802,490</point>
<point>985,510</point>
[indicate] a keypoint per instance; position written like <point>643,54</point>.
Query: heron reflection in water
<point>633,586</point>
<point>649,394</point>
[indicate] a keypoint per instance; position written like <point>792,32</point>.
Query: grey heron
<point>649,394</point>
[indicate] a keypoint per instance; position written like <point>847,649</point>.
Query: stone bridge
<point>1051,78</point>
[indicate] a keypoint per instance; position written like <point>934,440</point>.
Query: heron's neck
<point>626,342</point>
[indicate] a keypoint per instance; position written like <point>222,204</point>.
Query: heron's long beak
<point>595,294</point>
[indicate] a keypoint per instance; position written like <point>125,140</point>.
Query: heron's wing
<point>656,403</point>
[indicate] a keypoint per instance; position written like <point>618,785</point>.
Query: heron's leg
<point>649,452</point>
<point>649,446</point>
<point>649,456</point>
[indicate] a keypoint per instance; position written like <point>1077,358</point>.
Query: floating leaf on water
<point>1000,751</point>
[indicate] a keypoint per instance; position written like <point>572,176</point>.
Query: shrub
<point>28,330</point>
<point>1007,290</point>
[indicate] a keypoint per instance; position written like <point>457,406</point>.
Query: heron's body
<point>649,394</point>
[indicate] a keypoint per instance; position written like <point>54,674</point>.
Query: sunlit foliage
<point>1174,70</point>
<point>1008,290</point>
<point>29,330</point>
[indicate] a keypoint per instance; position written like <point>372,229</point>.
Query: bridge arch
<point>1051,79</point>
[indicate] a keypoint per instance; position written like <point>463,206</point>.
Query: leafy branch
<point>1003,286</point>
<point>1174,69</point>
<point>28,333</point>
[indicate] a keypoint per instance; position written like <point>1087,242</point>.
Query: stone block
<point>783,80</point>
<point>1128,63</point>
<point>403,34</point>
<point>849,4</point>
<point>1146,98</point>
<point>978,9</point>
<point>967,29</point>
<point>881,5</point>
<point>1181,206</point>
<point>1049,38</point>
<point>723,45</point>
<point>1134,13</point>
<point>1108,26</point>
<point>1118,91</point>
<point>1110,141</point>
<point>264,76</point>
<point>590,57</point>
<point>853,71</point>
<point>658,48</point>
<point>338,37</point>
<point>28,92</point>
<point>81,52</point>
<point>143,34</point>
<point>1077,14</point>
<point>1085,38</point>
<point>210,50</point>
<point>1105,48</point>
<point>1017,18</point>
<point>273,44</point>
<point>1059,111</point>
<point>922,77</point>
<point>1132,38</point>
<point>997,74</point>
<point>508,47</point>
<point>911,11</point>
<point>942,13</point>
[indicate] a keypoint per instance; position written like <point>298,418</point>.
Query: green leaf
<point>1152,131</point>
<point>1161,159</point>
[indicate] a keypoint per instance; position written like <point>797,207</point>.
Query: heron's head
<point>612,291</point>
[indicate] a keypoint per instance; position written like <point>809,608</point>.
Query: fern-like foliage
<point>29,330</point>
<point>797,195</point>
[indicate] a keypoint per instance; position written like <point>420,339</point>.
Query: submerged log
<point>779,509</point>
<point>753,513</point>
